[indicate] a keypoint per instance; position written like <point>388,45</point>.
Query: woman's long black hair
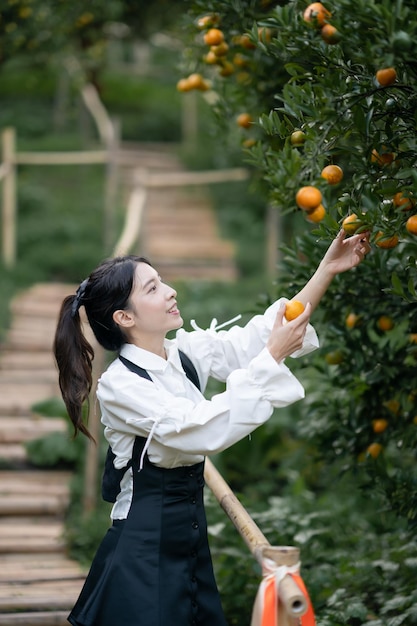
<point>105,291</point>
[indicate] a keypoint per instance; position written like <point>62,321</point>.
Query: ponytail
<point>74,356</point>
<point>106,290</point>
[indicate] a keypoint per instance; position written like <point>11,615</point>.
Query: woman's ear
<point>123,318</point>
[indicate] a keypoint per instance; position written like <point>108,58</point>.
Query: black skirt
<point>154,568</point>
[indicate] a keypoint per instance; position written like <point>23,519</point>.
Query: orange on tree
<point>405,203</point>
<point>386,76</point>
<point>246,42</point>
<point>184,85</point>
<point>316,14</point>
<point>330,34</point>
<point>385,323</point>
<point>379,425</point>
<point>382,158</point>
<point>411,225</point>
<point>207,21</point>
<point>332,173</point>
<point>211,58</point>
<point>351,320</point>
<point>334,358</point>
<point>244,120</point>
<point>351,223</point>
<point>196,81</point>
<point>220,50</point>
<point>227,68</point>
<point>386,241</point>
<point>393,405</point>
<point>308,198</point>
<point>293,309</point>
<point>298,138</point>
<point>214,37</point>
<point>374,449</point>
<point>317,214</point>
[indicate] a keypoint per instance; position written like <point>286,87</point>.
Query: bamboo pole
<point>9,197</point>
<point>293,602</point>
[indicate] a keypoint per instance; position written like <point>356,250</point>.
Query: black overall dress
<point>154,568</point>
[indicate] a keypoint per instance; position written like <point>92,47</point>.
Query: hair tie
<point>79,295</point>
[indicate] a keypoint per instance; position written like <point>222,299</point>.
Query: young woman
<point>153,567</point>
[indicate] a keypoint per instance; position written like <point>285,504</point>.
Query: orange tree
<point>320,86</point>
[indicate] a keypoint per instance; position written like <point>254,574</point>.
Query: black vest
<point>112,477</point>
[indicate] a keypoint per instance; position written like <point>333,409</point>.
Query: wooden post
<point>111,185</point>
<point>9,197</point>
<point>292,602</point>
<point>272,239</point>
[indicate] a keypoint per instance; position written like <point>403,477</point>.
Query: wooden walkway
<point>39,583</point>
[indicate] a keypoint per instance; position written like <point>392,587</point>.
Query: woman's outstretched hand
<point>287,337</point>
<point>345,253</point>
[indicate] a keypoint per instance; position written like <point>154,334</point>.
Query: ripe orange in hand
<point>317,14</point>
<point>351,223</point>
<point>386,76</point>
<point>308,198</point>
<point>411,225</point>
<point>332,173</point>
<point>293,309</point>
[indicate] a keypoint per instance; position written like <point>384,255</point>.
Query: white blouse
<point>180,425</point>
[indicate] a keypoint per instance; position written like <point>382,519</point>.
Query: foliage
<point>358,419</point>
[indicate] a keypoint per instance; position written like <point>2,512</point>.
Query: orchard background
<point>334,474</point>
<point>298,95</point>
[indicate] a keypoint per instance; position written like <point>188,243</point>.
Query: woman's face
<point>153,304</point>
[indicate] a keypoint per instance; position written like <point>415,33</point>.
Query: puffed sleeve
<point>218,353</point>
<point>131,404</point>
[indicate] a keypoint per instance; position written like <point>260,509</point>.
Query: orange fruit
<point>351,223</point>
<point>293,309</point>
<point>413,338</point>
<point>351,320</point>
<point>374,450</point>
<point>317,214</point>
<point>385,323</point>
<point>210,58</point>
<point>334,358</point>
<point>393,405</point>
<point>196,81</point>
<point>386,241</point>
<point>308,198</point>
<point>214,37</point>
<point>411,225</point>
<point>379,425</point>
<point>383,158</point>
<point>332,173</point>
<point>220,50</point>
<point>227,68</point>
<point>405,203</point>
<point>244,120</point>
<point>298,138</point>
<point>316,14</point>
<point>207,20</point>
<point>386,76</point>
<point>265,34</point>
<point>330,34</point>
<point>184,85</point>
<point>246,42</point>
<point>248,143</point>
